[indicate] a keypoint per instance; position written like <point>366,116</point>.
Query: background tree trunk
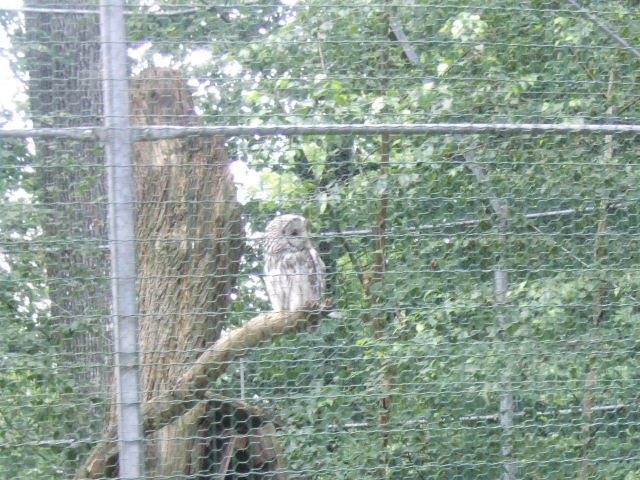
<point>189,245</point>
<point>62,57</point>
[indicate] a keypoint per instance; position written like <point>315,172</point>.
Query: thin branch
<point>628,105</point>
<point>495,202</point>
<point>507,402</point>
<point>380,317</point>
<point>591,379</point>
<point>605,28</point>
<point>355,263</point>
<point>404,42</point>
<point>583,66</point>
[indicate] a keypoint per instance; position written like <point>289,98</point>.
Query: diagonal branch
<point>605,28</point>
<point>193,386</point>
<point>404,42</point>
<point>498,205</point>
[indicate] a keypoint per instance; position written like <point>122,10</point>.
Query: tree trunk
<point>189,245</point>
<point>62,57</point>
<point>192,401</point>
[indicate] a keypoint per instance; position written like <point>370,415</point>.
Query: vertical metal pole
<point>122,237</point>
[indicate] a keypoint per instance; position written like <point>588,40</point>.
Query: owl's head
<point>288,231</point>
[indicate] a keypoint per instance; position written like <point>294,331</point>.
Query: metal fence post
<point>122,236</point>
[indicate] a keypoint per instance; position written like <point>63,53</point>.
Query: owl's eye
<point>294,233</point>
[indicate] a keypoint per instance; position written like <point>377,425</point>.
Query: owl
<point>294,271</point>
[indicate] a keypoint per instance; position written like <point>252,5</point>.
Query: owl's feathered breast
<point>294,277</point>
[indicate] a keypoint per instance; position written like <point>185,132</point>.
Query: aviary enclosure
<point>469,173</point>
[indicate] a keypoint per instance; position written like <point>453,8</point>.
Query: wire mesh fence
<point>448,286</point>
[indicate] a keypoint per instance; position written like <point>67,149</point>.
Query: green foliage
<point>38,402</point>
<point>432,322</point>
<point>452,351</point>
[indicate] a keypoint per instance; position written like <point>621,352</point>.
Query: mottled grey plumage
<point>294,271</point>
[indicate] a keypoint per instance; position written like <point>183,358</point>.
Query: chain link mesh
<point>481,311</point>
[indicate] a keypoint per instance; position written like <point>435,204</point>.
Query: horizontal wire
<point>186,9</point>
<point>461,128</point>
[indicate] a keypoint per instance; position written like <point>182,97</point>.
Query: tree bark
<point>192,388</point>
<point>62,57</point>
<point>189,233</point>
